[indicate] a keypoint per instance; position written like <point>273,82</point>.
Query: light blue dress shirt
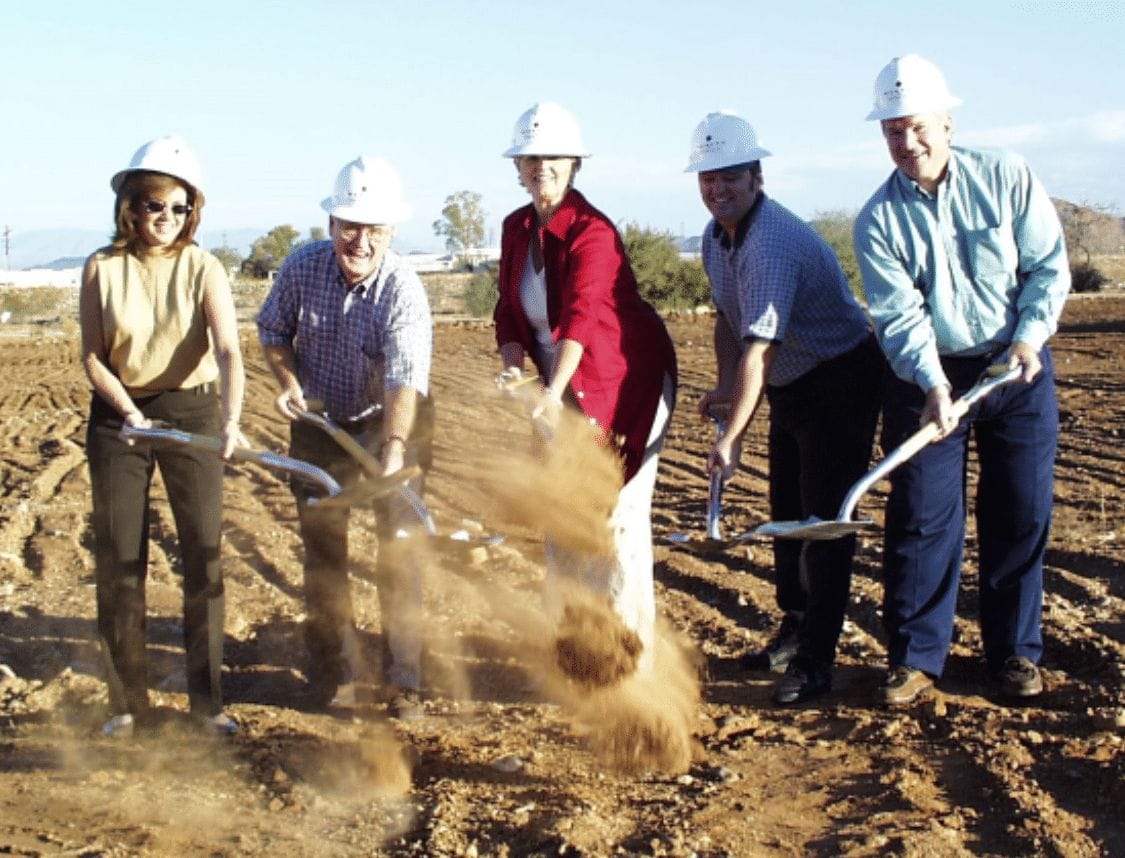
<point>966,271</point>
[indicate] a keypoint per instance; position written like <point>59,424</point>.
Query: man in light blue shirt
<point>964,267</point>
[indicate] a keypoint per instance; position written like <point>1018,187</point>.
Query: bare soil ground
<point>502,764</point>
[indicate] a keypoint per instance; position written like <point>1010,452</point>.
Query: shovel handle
<point>276,461</point>
<point>925,436</point>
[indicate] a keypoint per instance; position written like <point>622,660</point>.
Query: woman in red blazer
<point>569,301</point>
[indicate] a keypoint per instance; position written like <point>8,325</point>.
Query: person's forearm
<point>282,362</point>
<point>567,357</point>
<point>749,386</point>
<point>399,408</point>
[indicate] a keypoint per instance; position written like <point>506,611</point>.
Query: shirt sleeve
<point>594,264</point>
<point>1044,272</point>
<point>277,319</point>
<point>896,306</point>
<point>408,345</point>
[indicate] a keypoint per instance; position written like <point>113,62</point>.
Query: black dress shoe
<point>777,654</point>
<point>804,680</point>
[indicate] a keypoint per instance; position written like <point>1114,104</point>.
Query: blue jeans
<point>1016,429</point>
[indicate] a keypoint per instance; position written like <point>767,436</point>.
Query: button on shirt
<point>965,271</point>
<point>780,281</point>
<point>351,343</point>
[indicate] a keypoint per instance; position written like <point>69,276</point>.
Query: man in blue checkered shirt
<point>788,328</point>
<point>347,330</point>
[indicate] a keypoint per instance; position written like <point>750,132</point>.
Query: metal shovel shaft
<point>370,466</point>
<point>715,493</point>
<point>844,525</point>
<point>296,467</point>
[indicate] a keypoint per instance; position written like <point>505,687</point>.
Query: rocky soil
<point>509,760</point>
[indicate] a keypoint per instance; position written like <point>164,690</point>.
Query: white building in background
<point>42,277</point>
<point>429,263</point>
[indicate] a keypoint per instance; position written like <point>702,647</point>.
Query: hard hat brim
<point>707,166</point>
<point>119,178</point>
<point>879,114</point>
<point>373,215</point>
<point>518,151</point>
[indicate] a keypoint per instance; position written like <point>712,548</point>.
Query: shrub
<point>1084,277</point>
<point>482,292</point>
<point>665,280</point>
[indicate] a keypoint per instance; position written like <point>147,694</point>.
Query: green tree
<point>835,227</point>
<point>268,252</point>
<point>228,256</point>
<point>316,233</point>
<point>461,221</point>
<point>665,280</point>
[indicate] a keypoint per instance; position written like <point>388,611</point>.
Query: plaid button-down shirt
<point>354,343</point>
<point>781,282</point>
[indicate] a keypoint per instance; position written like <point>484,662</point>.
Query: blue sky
<point>276,97</point>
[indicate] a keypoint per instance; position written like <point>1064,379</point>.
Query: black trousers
<point>324,533</point>
<point>121,476</point>
<point>821,430</point>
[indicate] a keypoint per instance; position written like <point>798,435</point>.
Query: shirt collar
<point>743,227</point>
<point>363,285</point>
<point>908,184</point>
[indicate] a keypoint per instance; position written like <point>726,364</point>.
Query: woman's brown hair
<point>138,187</point>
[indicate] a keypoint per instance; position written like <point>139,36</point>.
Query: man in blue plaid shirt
<point>788,329</point>
<point>347,331</point>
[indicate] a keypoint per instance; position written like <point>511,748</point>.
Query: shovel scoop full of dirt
<point>593,648</point>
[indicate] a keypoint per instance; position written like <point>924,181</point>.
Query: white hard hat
<point>368,190</point>
<point>723,139</point>
<point>169,155</point>
<point>546,128</point>
<point>909,85</point>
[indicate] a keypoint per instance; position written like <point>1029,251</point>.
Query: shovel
<point>370,466</point>
<point>815,529</point>
<point>714,540</point>
<point>295,467</point>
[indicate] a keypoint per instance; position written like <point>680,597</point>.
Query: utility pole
<point>7,254</point>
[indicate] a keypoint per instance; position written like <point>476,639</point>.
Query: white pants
<point>626,578</point>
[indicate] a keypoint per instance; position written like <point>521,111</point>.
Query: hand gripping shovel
<point>815,529</point>
<point>334,495</point>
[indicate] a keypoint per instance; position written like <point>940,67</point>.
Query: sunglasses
<point>156,207</point>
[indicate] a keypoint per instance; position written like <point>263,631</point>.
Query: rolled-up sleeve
<point>408,342</point>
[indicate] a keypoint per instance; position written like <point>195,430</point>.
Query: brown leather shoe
<point>904,684</point>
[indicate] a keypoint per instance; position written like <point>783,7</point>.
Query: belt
<point>205,389</point>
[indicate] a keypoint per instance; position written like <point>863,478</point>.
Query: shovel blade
<point>368,489</point>
<point>812,529</point>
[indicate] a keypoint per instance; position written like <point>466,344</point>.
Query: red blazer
<point>592,298</point>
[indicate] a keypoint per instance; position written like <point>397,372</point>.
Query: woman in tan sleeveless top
<point>159,343</point>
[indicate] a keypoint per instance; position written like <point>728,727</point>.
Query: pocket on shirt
<point>991,252</point>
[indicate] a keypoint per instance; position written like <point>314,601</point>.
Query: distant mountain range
<point>68,248</point>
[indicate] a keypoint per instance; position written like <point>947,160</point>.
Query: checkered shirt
<point>781,282</point>
<point>351,344</point>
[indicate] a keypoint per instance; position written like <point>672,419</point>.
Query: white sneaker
<point>118,727</point>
